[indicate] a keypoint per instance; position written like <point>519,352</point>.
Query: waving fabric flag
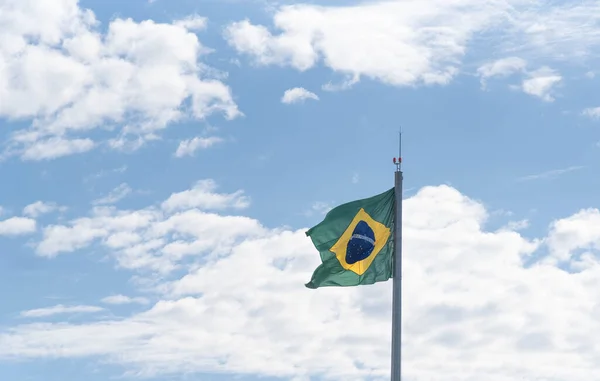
<point>356,243</point>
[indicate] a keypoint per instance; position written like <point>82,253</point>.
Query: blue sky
<point>162,159</point>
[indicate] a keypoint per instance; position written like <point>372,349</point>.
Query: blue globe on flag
<point>361,244</point>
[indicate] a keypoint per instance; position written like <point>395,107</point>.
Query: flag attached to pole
<point>356,243</point>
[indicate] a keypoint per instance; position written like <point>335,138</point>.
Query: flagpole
<point>397,274</point>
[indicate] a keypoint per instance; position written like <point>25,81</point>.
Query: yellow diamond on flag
<point>361,242</point>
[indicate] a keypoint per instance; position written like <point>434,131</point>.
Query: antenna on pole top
<point>398,160</point>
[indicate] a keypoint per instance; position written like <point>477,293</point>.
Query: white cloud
<point>123,299</point>
<point>115,195</point>
<point>39,208</point>
<point>103,173</point>
<point>63,73</point>
<point>469,300</point>
<point>51,148</point>
<point>297,95</point>
<point>593,112</point>
<point>551,174</point>
<point>561,30</point>
<point>541,83</point>
<point>59,310</point>
<point>202,196</point>
<point>190,146</point>
<point>517,225</point>
<point>501,68</point>
<point>118,230</point>
<point>346,84</point>
<point>141,239</point>
<point>400,43</point>
<point>408,43</point>
<point>17,226</point>
<point>318,208</point>
<point>578,232</point>
<point>193,22</point>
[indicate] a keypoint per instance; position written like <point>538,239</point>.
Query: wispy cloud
<point>190,146</point>
<point>550,174</point>
<point>346,84</point>
<point>318,208</point>
<point>123,299</point>
<point>516,225</point>
<point>103,173</point>
<point>115,195</point>
<point>592,112</point>
<point>501,68</point>
<point>60,309</point>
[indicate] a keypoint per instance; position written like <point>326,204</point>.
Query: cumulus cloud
<point>192,22</point>
<point>39,208</point>
<point>471,297</point>
<point>37,148</point>
<point>68,75</point>
<point>190,146</point>
<point>140,239</point>
<point>409,43</point>
<point>401,43</point>
<point>574,240</point>
<point>297,95</point>
<point>541,83</point>
<point>203,196</point>
<point>15,226</point>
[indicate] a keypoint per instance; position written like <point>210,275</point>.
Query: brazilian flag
<point>356,243</point>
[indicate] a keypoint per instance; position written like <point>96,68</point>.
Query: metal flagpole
<point>397,273</point>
